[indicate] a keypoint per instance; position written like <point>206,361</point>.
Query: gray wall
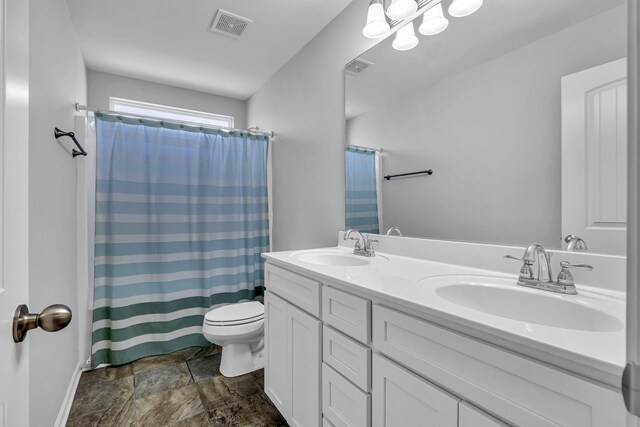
<point>492,135</point>
<point>304,104</point>
<point>102,85</point>
<point>56,80</point>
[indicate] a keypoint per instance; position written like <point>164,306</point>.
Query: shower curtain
<point>361,194</point>
<point>181,221</point>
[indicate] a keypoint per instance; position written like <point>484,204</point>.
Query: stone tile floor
<point>180,389</point>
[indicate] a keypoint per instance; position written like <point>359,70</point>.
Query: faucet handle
<point>566,265</point>
<point>526,272</point>
<point>515,258</point>
<point>565,278</point>
<point>357,246</point>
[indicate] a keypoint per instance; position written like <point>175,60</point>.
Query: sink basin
<point>502,297</point>
<point>328,258</point>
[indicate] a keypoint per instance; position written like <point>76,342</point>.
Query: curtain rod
<point>252,130</point>
<point>358,147</point>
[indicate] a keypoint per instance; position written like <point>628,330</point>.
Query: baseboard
<point>65,408</point>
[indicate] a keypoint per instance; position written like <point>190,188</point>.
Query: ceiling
<point>500,26</point>
<point>169,42</point>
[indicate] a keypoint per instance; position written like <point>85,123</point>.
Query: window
<point>169,113</point>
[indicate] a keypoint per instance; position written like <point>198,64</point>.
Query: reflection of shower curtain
<point>181,220</point>
<point>361,197</point>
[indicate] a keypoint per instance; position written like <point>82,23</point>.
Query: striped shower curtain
<point>361,196</point>
<point>181,221</point>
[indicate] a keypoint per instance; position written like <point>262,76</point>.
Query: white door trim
<point>14,218</point>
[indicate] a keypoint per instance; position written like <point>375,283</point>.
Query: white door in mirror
<point>594,156</point>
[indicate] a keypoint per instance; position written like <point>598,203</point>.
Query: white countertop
<point>405,281</point>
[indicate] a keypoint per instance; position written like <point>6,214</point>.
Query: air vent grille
<point>357,66</point>
<point>230,24</point>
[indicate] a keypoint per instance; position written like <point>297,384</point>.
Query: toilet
<point>239,329</point>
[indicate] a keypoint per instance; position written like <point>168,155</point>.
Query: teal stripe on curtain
<point>361,192</point>
<point>181,221</point>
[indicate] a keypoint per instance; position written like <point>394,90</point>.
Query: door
<point>293,344</point>
<point>305,350</point>
<point>594,157</point>
<point>401,398</point>
<point>14,272</point>
<point>276,373</point>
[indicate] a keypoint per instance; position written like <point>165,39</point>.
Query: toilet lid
<point>235,314</point>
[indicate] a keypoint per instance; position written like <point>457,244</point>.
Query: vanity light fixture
<point>433,21</point>
<point>377,25</point>
<point>461,8</point>
<point>401,9</point>
<point>405,38</point>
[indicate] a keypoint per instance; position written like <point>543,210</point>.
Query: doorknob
<point>52,318</point>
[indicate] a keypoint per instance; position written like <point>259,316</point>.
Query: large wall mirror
<point>519,110</point>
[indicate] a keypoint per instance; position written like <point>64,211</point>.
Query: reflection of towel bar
<point>80,151</point>
<point>428,172</point>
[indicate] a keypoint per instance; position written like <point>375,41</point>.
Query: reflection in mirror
<point>520,111</point>
<point>361,189</point>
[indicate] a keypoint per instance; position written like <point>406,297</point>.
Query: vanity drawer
<point>498,380</point>
<point>347,313</point>
<point>350,358</point>
<point>343,404</point>
<point>299,290</point>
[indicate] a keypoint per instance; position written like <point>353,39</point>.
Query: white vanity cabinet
<point>342,359</point>
<point>293,346</point>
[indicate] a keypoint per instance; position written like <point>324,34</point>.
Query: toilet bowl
<point>239,329</point>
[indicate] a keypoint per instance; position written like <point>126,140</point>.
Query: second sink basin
<point>500,296</point>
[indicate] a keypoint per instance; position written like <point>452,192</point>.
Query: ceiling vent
<point>357,66</point>
<point>229,24</point>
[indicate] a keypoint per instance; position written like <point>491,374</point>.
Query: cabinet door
<point>470,416</point>
<point>305,350</point>
<point>277,377</point>
<point>401,398</point>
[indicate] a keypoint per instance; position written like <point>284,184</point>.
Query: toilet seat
<point>235,314</point>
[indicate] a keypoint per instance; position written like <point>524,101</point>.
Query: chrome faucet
<point>575,243</point>
<point>364,243</point>
<point>536,255</point>
<point>394,230</point>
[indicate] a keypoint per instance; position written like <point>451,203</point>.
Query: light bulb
<point>461,8</point>
<point>405,38</point>
<point>433,21</point>
<point>377,25</point>
<point>401,9</point>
